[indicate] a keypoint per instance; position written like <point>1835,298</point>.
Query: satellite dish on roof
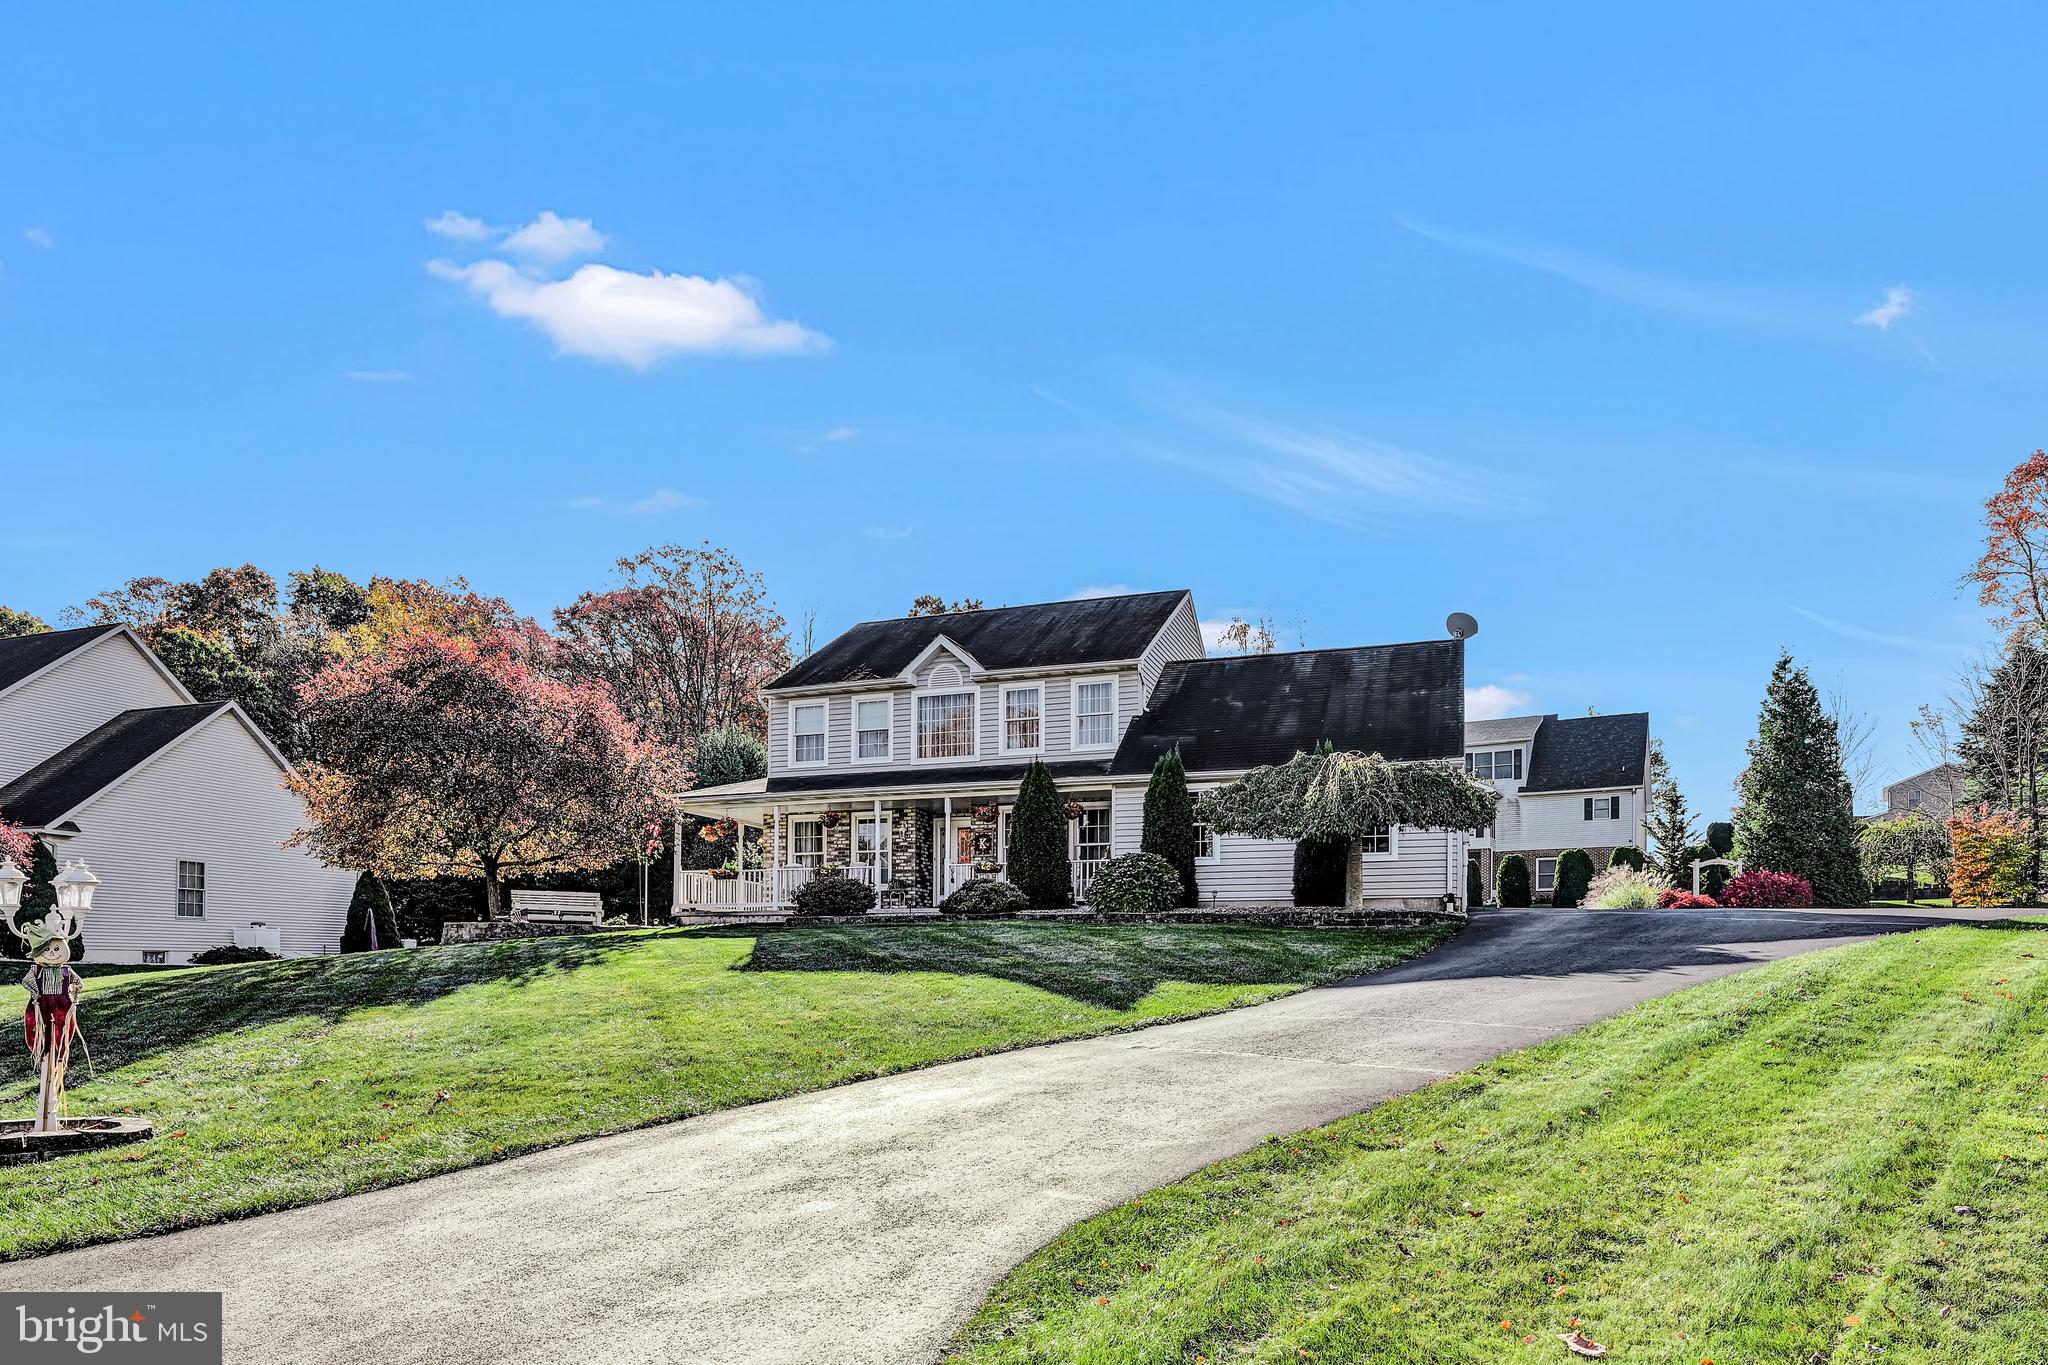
<point>1461,626</point>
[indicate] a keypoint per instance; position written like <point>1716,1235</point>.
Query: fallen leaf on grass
<point>1579,1344</point>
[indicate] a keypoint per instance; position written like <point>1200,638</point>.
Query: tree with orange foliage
<point>2012,575</point>
<point>1989,858</point>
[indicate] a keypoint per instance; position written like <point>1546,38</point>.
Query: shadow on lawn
<point>1111,967</point>
<point>139,1017</point>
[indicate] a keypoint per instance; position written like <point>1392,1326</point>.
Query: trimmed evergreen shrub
<point>1574,875</point>
<point>1170,821</point>
<point>985,896</point>
<point>823,895</point>
<point>1627,855</point>
<point>1721,838</point>
<point>1511,882</point>
<point>1135,884</point>
<point>1475,884</point>
<point>228,953</point>
<point>1039,865</point>
<point>1319,866</point>
<point>372,923</point>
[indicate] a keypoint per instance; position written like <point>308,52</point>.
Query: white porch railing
<point>757,888</point>
<point>1084,877</point>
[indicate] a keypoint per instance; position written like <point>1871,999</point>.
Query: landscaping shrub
<point>228,952</point>
<point>372,923</point>
<point>1721,838</point>
<point>1511,882</point>
<point>1170,821</point>
<point>1762,890</point>
<point>1134,884</point>
<point>834,896</point>
<point>985,896</point>
<point>1574,875</point>
<point>1627,855</point>
<point>1671,898</point>
<point>1989,856</point>
<point>1039,864</point>
<point>1319,868</point>
<point>1475,885</point>
<point>1624,888</point>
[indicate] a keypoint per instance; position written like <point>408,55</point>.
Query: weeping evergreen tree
<point>1170,821</point>
<point>1574,875</point>
<point>372,923</point>
<point>1794,811</point>
<point>1039,865</point>
<point>1626,855</point>
<point>1319,869</point>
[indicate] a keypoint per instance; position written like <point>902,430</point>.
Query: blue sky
<point>1657,342</point>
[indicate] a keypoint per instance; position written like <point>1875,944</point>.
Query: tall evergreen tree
<point>1170,821</point>
<point>1669,822</point>
<point>2003,745</point>
<point>1039,864</point>
<point>371,922</point>
<point>1475,883</point>
<point>1794,809</point>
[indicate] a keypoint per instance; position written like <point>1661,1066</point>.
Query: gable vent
<point>946,675</point>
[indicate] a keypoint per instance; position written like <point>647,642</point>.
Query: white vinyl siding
<point>82,692</point>
<point>1179,638</point>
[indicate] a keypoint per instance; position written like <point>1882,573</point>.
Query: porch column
<point>880,844</point>
<point>775,865</point>
<point>675,860</point>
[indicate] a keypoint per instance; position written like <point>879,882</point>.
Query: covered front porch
<point>913,848</point>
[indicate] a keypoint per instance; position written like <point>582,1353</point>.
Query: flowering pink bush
<point>15,844</point>
<point>1674,899</point>
<point>1761,890</point>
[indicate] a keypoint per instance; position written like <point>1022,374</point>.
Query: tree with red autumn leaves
<point>2012,575</point>
<point>685,643</point>
<point>450,756</point>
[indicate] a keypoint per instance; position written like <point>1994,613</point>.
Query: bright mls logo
<point>164,1329</point>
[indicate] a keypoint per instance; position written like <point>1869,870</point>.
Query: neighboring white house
<point>178,806</point>
<point>1578,782</point>
<point>896,749</point>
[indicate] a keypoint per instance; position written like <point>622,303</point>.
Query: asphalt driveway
<point>861,1224</point>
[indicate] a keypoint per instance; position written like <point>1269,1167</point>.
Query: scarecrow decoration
<point>51,1020</point>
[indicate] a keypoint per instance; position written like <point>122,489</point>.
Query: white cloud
<point>1212,633</point>
<point>841,434</point>
<point>551,239</point>
<point>654,504</point>
<point>1100,590</point>
<point>1491,701</point>
<point>888,533</point>
<point>376,376</point>
<point>633,319</point>
<point>41,237</point>
<point>1898,301</point>
<point>459,227</point>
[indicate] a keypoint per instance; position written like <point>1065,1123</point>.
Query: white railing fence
<point>1084,877</point>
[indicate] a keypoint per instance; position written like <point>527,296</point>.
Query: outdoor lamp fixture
<point>75,885</point>
<point>12,879</point>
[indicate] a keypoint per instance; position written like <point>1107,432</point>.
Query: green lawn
<point>1843,1156</point>
<point>284,1083</point>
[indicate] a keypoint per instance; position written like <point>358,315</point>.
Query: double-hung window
<point>1021,719</point>
<point>1095,714</point>
<point>1205,843</point>
<point>1377,841</point>
<point>807,843</point>
<point>945,725</point>
<point>872,718</point>
<point>1091,835</point>
<point>807,733</point>
<point>192,890</point>
<point>1501,765</point>
<point>871,847</point>
<point>1546,875</point>
<point>1603,808</point>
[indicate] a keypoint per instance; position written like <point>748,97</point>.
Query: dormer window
<point>945,725</point>
<point>872,721</point>
<point>807,733</point>
<point>1021,720</point>
<point>1499,765</point>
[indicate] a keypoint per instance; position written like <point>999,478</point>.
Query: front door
<point>956,855</point>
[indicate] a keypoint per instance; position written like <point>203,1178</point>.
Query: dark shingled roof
<point>1091,630</point>
<point>1589,752</point>
<point>918,775</point>
<point>25,654</point>
<point>1403,702</point>
<point>92,764</point>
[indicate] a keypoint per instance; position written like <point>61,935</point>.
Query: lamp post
<point>52,985</point>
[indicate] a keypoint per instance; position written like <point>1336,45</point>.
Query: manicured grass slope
<point>1843,1156</point>
<point>283,1083</point>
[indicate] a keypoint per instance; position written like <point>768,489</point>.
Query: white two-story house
<point>1576,782</point>
<point>178,806</point>
<point>896,750</point>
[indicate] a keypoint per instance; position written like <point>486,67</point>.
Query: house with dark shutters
<point>1565,783</point>
<point>896,750</point>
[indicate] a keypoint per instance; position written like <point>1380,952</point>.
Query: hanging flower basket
<point>986,814</point>
<point>1073,809</point>
<point>714,831</point>
<point>986,868</point>
<point>724,874</point>
<point>833,818</point>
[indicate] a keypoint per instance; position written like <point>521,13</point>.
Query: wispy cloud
<point>841,434</point>
<point>1898,301</point>
<point>660,501</point>
<point>1848,630</point>
<point>41,237</point>
<point>377,376</point>
<point>459,227</point>
<point>1327,474</point>
<point>1100,590</point>
<point>1662,293</point>
<point>1491,701</point>
<point>550,239</point>
<point>888,533</point>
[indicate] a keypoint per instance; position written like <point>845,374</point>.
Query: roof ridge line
<point>1025,606</point>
